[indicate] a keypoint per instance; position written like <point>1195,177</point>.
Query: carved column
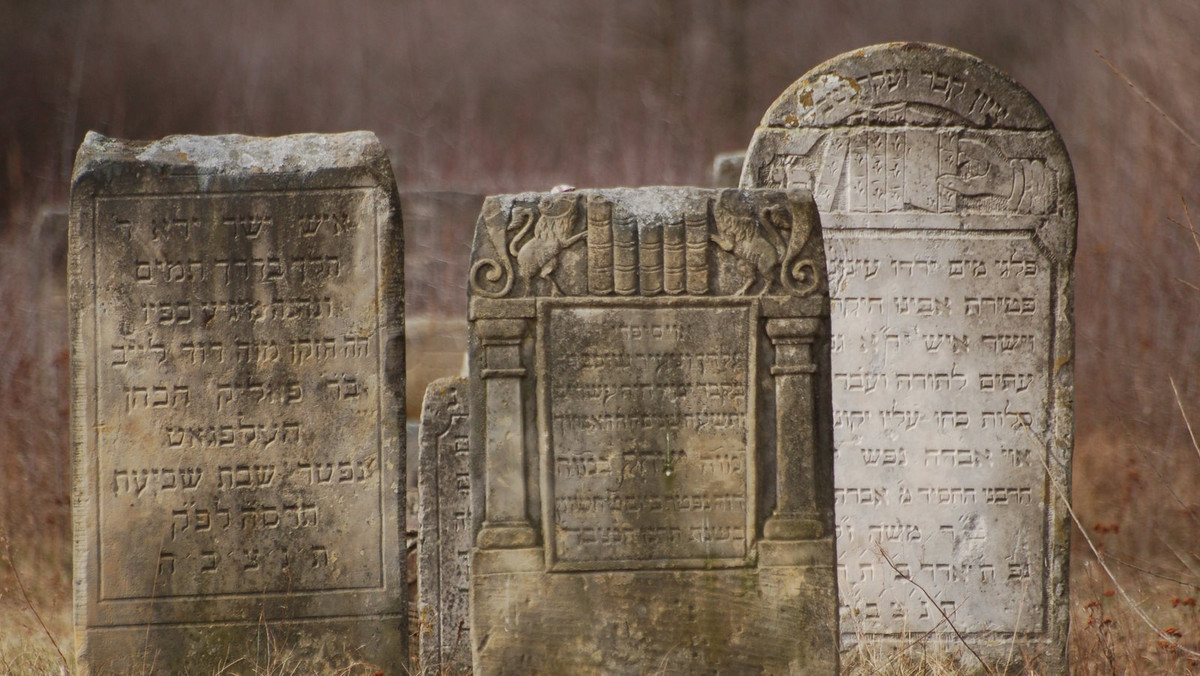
<point>797,515</point>
<point>506,521</point>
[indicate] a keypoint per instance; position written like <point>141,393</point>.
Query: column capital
<point>793,329</point>
<point>500,331</point>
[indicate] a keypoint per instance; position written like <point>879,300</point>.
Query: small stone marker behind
<point>651,429</point>
<point>727,169</point>
<point>949,208</point>
<point>237,394</point>
<point>444,546</point>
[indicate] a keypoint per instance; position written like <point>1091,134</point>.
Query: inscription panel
<point>649,427</point>
<point>940,400</point>
<point>234,324</point>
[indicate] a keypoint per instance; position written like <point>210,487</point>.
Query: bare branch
<point>1062,495</point>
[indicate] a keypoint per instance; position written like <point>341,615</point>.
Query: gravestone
<point>948,202</point>
<point>237,374</point>
<point>444,545</point>
<point>727,169</point>
<point>650,434</point>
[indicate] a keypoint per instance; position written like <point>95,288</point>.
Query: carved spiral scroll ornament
<point>497,275</point>
<point>800,276</point>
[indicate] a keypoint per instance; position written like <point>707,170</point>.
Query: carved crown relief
<point>591,243</point>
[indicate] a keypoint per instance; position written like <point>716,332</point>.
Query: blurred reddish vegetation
<point>526,94</point>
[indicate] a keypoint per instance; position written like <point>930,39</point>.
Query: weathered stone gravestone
<point>727,169</point>
<point>948,203</point>
<point>444,547</point>
<point>649,415</point>
<point>238,391</point>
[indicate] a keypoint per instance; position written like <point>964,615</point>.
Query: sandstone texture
<point>237,373</point>
<point>650,434</point>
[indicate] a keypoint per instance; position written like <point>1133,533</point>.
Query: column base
<point>508,535</point>
<point>793,527</point>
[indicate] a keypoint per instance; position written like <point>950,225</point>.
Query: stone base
<point>773,619</point>
<point>359,646</point>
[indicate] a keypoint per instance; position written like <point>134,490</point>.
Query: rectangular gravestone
<point>237,377</point>
<point>444,544</point>
<point>949,206</point>
<point>651,434</point>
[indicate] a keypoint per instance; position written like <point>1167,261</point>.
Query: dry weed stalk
<point>1150,102</point>
<point>933,601</point>
<point>8,556</point>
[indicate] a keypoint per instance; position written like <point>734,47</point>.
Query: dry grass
<point>35,609</point>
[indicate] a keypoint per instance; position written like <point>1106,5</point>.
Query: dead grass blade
<point>1179,402</point>
<point>29,602</point>
<point>1132,441</point>
<point>1100,558</point>
<point>934,603</point>
<point>1151,572</point>
<point>1146,97</point>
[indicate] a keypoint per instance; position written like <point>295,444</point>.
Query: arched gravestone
<point>948,202</point>
<point>237,377</point>
<point>649,415</point>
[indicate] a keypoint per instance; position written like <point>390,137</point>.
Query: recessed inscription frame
<point>117,604</point>
<point>747,332</point>
<point>337,600</point>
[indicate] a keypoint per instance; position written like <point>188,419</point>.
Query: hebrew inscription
<point>232,365</point>
<point>949,208</point>
<point>940,402</point>
<point>650,418</point>
<point>235,393</point>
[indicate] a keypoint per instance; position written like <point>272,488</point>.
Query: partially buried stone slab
<point>949,209</point>
<point>444,545</point>
<point>651,430</point>
<point>237,394</point>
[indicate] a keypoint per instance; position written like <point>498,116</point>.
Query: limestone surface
<point>948,202</point>
<point>237,375</point>
<point>650,434</point>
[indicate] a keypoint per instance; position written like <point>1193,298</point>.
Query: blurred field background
<point>472,98</point>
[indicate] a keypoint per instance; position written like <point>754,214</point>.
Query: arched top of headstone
<point>904,135</point>
<point>914,84</point>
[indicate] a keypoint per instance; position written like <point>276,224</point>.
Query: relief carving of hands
<point>982,170</point>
